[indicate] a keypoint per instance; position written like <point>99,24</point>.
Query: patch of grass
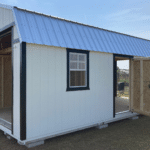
<point>123,135</point>
<point>125,92</point>
<point>122,80</point>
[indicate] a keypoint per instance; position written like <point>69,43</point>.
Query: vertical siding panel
<point>98,81</point>
<point>91,78</point>
<point>52,89</point>
<point>102,81</point>
<point>29,97</point>
<point>16,90</point>
<point>88,93</point>
<point>6,17</point>
<point>81,104</point>
<point>57,85</point>
<point>93,84</point>
<point>63,87</point>
<point>36,101</point>
<point>44,90</point>
<point>79,107</point>
<point>15,33</point>
<point>1,12</point>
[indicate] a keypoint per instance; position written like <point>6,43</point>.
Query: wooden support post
<point>131,87</point>
<point>141,85</point>
<point>129,84</point>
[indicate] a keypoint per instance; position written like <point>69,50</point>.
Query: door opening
<point>121,84</point>
<point>6,89</point>
<point>122,91</point>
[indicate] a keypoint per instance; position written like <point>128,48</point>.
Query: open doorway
<point>121,84</point>
<point>122,94</point>
<point>6,109</point>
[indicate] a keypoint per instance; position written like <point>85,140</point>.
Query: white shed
<point>59,76</point>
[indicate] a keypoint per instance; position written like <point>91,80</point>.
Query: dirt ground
<point>121,104</point>
<point>123,135</point>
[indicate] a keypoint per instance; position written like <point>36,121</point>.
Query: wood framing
<point>130,84</point>
<point>6,81</point>
<point>141,85</point>
<point>140,99</point>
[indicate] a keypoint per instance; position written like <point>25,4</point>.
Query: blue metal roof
<point>47,30</point>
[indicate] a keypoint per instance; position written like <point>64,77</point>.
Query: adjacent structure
<point>59,76</point>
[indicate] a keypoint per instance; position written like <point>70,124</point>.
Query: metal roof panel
<point>47,30</point>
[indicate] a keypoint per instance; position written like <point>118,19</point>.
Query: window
<point>77,70</point>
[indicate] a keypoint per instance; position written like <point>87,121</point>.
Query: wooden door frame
<point>123,57</point>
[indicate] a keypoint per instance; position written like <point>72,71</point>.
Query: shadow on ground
<point>122,135</point>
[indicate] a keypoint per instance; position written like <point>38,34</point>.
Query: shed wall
<point>15,33</point>
<point>6,17</point>
<point>50,108</point>
<point>16,90</point>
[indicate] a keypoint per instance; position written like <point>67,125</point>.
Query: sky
<point>125,16</point>
<point>123,64</point>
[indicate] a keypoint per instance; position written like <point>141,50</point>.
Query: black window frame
<point>68,77</point>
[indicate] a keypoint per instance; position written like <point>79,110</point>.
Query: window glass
<point>73,65</point>
<point>73,57</point>
<point>82,65</point>
<point>77,71</point>
<point>82,57</point>
<point>77,78</point>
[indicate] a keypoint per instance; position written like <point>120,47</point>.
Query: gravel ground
<point>123,135</point>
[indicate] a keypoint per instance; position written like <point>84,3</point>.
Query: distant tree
<point>118,73</point>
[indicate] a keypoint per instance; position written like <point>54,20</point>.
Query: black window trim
<point>77,88</point>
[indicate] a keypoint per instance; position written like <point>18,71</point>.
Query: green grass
<point>122,135</point>
<point>125,93</point>
<point>122,80</point>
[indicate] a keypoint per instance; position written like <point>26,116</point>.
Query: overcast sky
<point>126,16</point>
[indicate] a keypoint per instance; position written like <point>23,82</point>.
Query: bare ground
<point>123,135</point>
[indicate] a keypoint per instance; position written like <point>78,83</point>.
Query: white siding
<point>6,17</point>
<point>16,90</point>
<point>15,33</point>
<point>50,108</point>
